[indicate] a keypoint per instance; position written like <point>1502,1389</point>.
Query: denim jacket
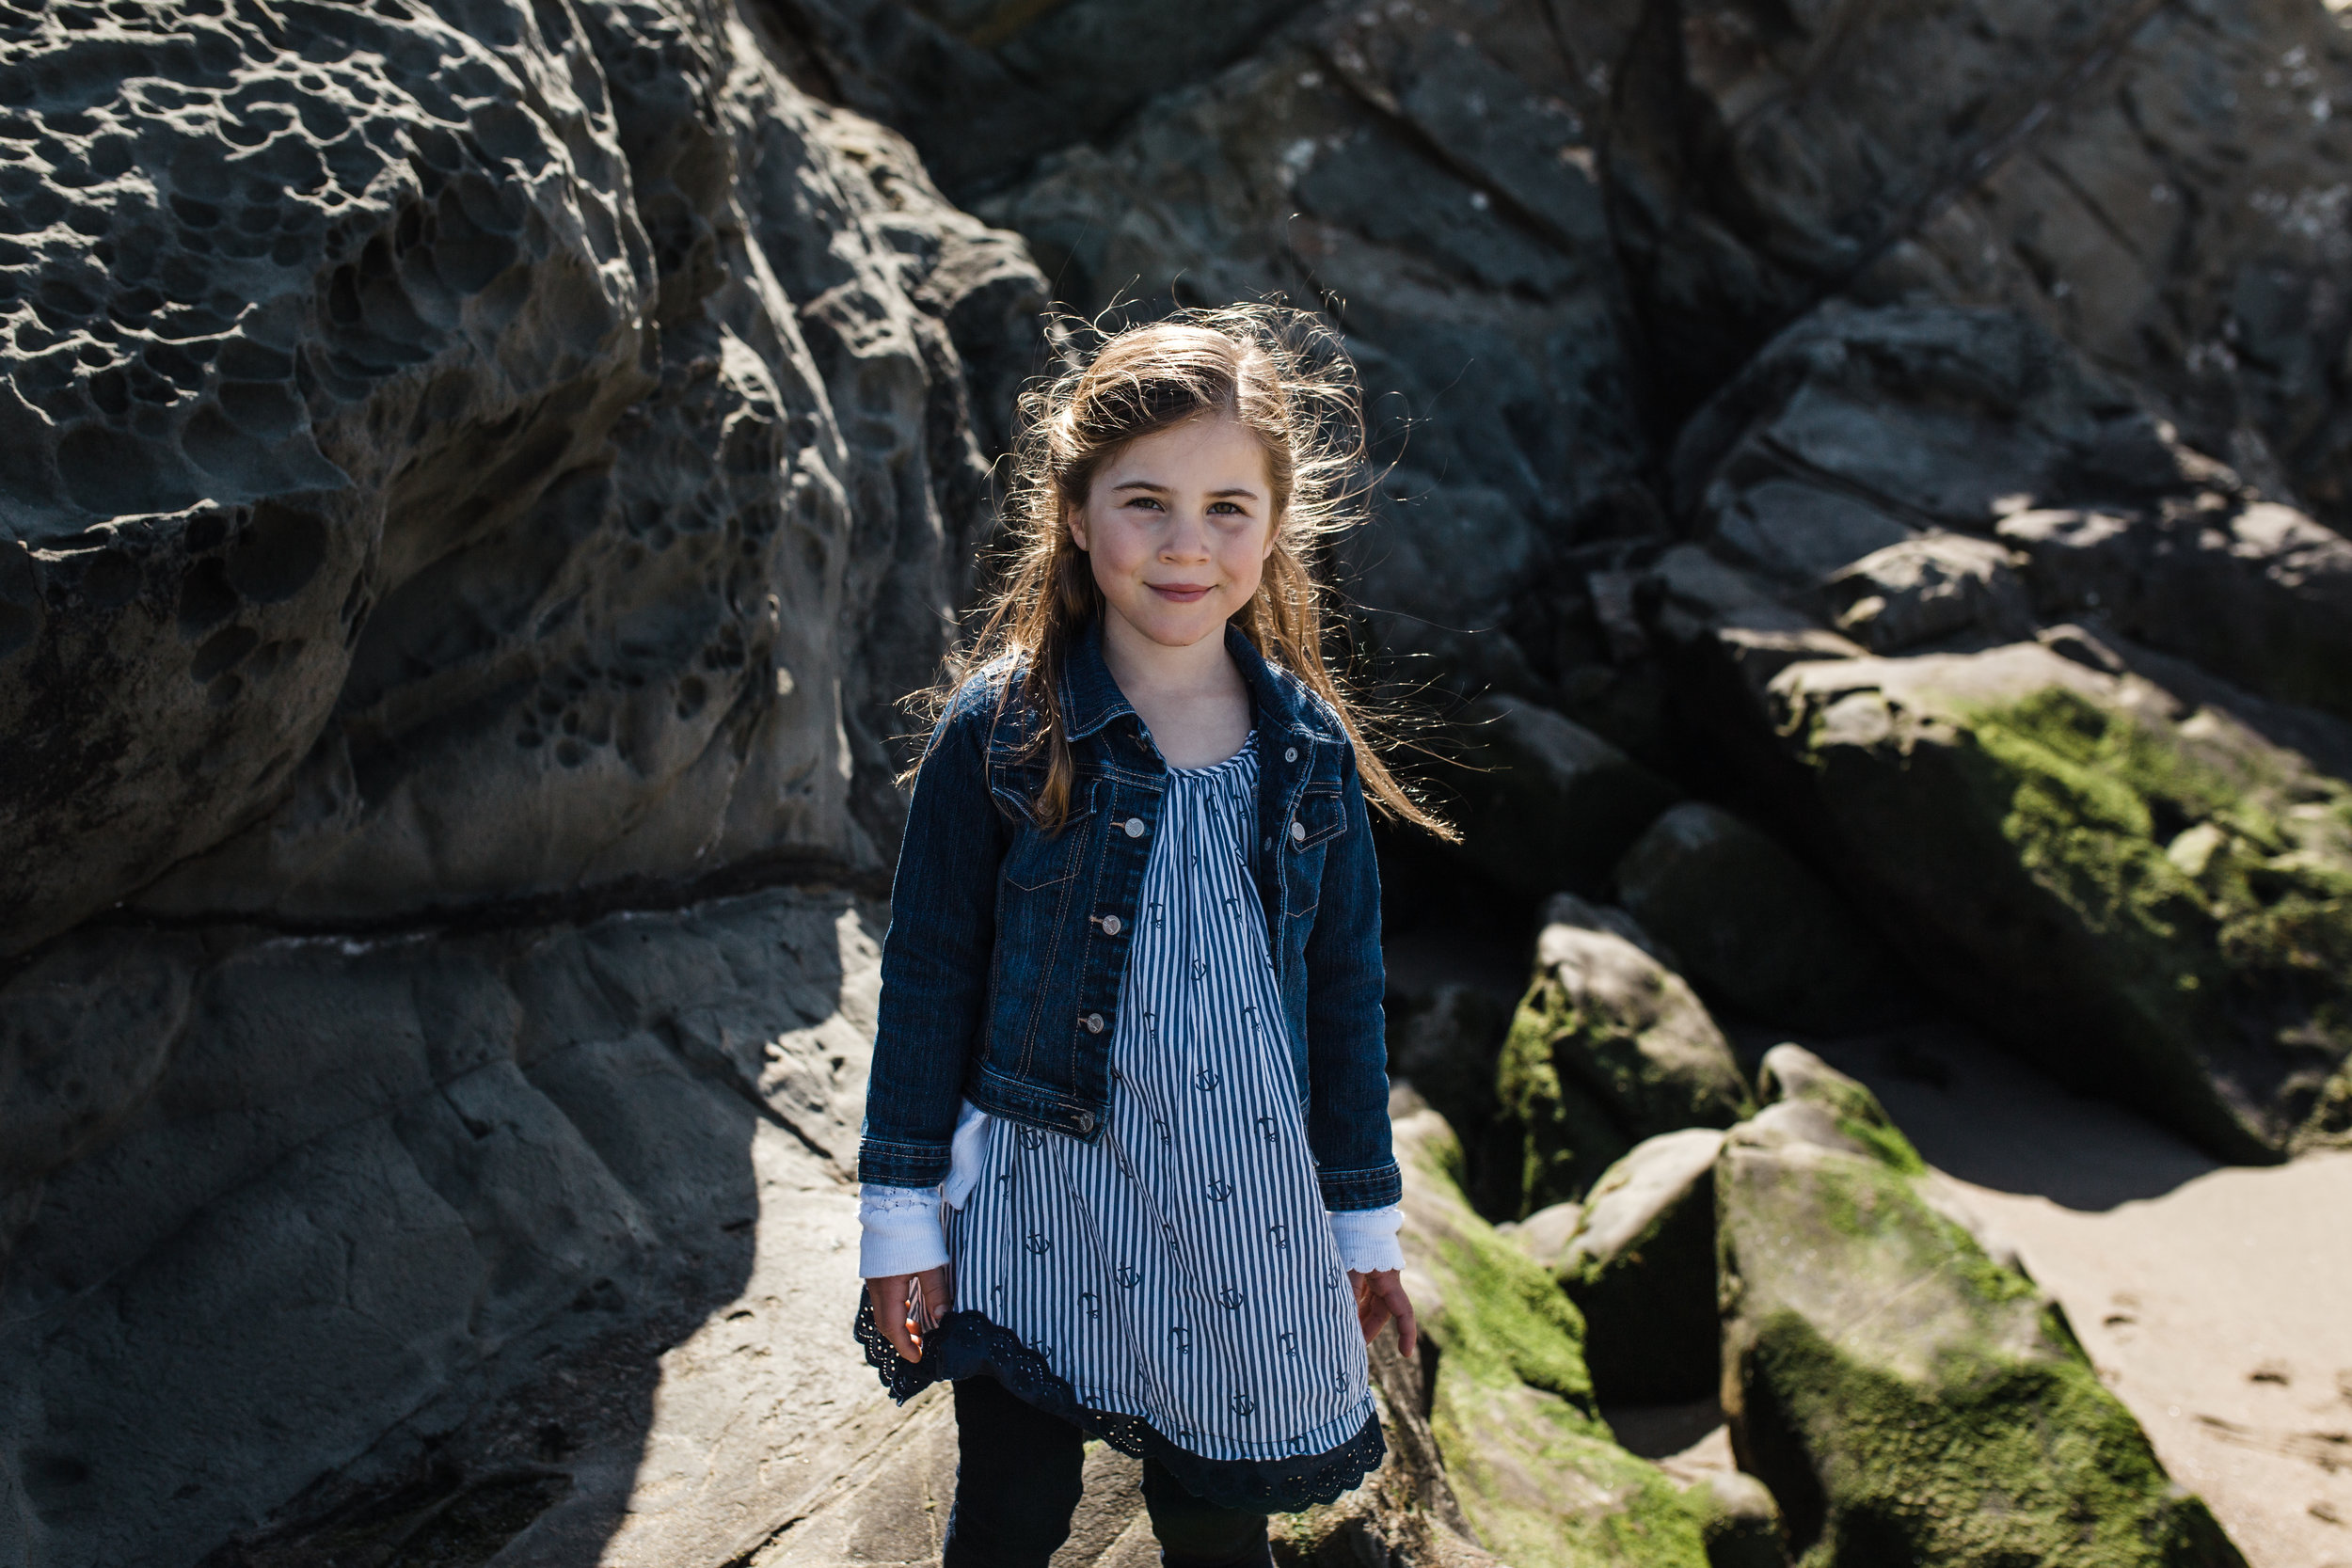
<point>1001,970</point>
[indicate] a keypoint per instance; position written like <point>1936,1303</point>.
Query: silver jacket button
<point>1299,832</point>
<point>1093,1022</point>
<point>1110,925</point>
<point>1086,1122</point>
<point>1134,827</point>
<point>1290,754</point>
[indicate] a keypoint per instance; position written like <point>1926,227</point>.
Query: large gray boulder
<point>475,461</point>
<point>1907,1400</point>
<point>2142,890</point>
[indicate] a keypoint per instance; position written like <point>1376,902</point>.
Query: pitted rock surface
<point>463,455</point>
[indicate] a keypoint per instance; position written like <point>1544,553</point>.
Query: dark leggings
<point>1017,1484</point>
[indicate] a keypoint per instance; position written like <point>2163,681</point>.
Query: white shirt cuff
<point>1367,1238</point>
<point>898,1230</point>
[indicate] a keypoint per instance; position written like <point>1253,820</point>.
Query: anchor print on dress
<point>1199,967</point>
<point>1091,1304</point>
<point>1289,1341</point>
<point>1244,1405</point>
<point>1332,1280</point>
<point>1279,1234</point>
<point>1231,1298</point>
<point>1268,1128</point>
<point>1038,1243</point>
<point>1219,1189</point>
<point>1207,1079</point>
<point>1338,1381</point>
<point>1030,1137</point>
<point>1183,1337</point>
<point>1161,1127</point>
<point>1158,920</point>
<point>1128,1276</point>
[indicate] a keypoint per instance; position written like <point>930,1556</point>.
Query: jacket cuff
<point>888,1163</point>
<point>1371,1187</point>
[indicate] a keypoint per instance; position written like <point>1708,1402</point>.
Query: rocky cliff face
<point>474,478</point>
<point>471,471</point>
<point>462,457</point>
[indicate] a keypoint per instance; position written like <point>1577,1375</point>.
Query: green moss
<point>2212,878</point>
<point>1564,1134</point>
<point>1536,1469</point>
<point>2096,797</point>
<point>1579,1088</point>
<point>1995,1463</point>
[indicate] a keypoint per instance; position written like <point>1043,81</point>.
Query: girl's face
<point>1178,526</point>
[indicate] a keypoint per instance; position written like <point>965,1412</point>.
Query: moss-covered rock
<point>2147,891</point>
<point>1753,925</point>
<point>1909,1400</point>
<point>1536,1473</point>
<point>1641,1266</point>
<point>1610,1046</point>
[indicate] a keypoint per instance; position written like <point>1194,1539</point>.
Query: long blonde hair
<point>1283,375</point>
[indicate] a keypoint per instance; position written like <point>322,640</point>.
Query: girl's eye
<point>1150,502</point>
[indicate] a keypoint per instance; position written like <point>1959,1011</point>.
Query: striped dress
<point>1181,1269</point>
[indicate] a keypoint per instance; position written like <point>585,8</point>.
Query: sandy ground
<point>2216,1302</point>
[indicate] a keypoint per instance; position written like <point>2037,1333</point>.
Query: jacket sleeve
<point>935,956</point>
<point>1347,1050</point>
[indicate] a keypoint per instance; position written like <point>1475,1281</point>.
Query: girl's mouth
<point>1180,593</point>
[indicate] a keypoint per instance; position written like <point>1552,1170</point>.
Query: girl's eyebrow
<point>1155,484</point>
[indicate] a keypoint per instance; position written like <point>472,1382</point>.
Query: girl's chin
<point>1176,625</point>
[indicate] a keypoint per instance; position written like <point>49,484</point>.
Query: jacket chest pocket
<point>1038,859</point>
<point>1319,818</point>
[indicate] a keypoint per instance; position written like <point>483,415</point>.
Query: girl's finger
<point>888,1299</point>
<point>1407,1329</point>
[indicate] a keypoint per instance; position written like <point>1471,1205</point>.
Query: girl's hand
<point>1379,1296</point>
<point>905,1321</point>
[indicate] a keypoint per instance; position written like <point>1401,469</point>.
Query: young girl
<point>1130,1037</point>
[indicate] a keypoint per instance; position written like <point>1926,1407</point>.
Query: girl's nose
<point>1187,540</point>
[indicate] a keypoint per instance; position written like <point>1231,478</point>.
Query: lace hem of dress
<point>967,1344</point>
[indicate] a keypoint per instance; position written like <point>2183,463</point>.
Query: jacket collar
<point>1091,698</point>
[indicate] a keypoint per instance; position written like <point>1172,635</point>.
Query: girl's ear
<point>1074,519</point>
